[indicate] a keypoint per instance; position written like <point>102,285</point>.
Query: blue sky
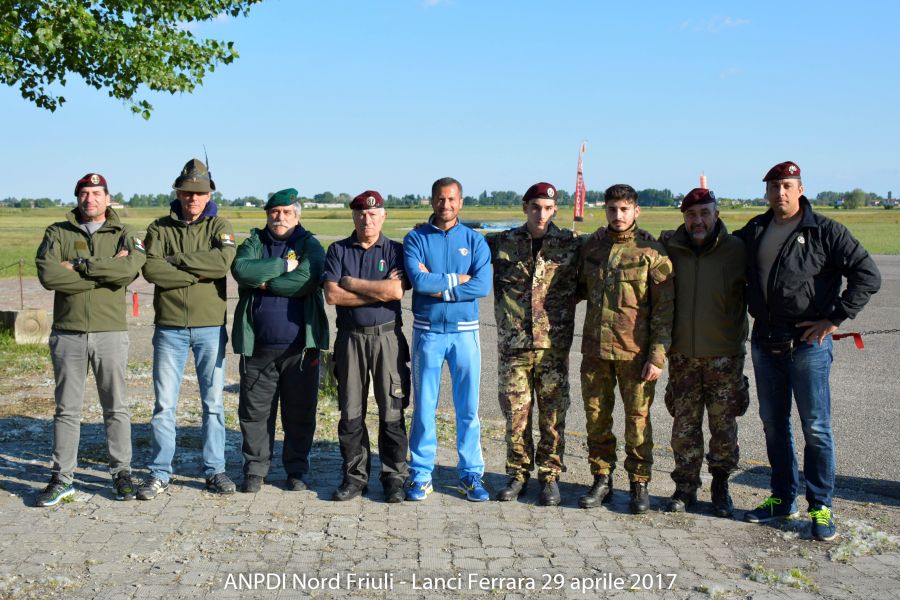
<point>344,96</point>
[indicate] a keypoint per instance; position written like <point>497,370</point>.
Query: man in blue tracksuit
<point>449,266</point>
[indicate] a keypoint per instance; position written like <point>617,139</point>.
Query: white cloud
<point>714,24</point>
<point>729,72</point>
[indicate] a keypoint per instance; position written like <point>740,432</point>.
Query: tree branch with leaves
<point>116,45</point>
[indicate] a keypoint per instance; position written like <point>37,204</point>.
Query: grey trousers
<point>106,353</point>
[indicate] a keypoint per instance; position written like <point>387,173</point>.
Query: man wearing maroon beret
<point>535,274</point>
<point>88,260</point>
<point>706,358</point>
<point>365,279</point>
<point>797,262</point>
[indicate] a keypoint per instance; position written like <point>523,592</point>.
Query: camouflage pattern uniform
<point>628,285</point>
<point>706,368</point>
<point>534,305</point>
<point>717,384</point>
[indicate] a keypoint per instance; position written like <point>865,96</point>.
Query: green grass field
<point>21,229</point>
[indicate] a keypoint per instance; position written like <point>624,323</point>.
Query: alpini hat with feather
<point>195,177</point>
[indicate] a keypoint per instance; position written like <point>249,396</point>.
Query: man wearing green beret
<point>279,328</point>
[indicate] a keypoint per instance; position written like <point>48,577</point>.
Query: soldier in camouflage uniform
<point>707,354</point>
<point>535,271</point>
<point>627,280</point>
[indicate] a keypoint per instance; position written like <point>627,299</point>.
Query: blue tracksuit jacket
<point>445,254</point>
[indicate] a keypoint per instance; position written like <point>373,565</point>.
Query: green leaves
<point>117,45</point>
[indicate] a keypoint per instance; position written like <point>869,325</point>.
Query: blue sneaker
<point>823,528</point>
<point>418,490</point>
<point>771,508</point>
<point>472,488</point>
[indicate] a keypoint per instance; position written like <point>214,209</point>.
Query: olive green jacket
<point>628,285</point>
<point>92,298</point>
<point>251,269</point>
<point>190,286</point>
<point>534,299</point>
<point>710,310</point>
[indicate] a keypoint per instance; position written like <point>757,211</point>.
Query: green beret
<point>282,198</point>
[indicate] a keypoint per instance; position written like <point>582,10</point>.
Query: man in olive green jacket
<point>707,354</point>
<point>279,327</point>
<point>88,260</point>
<point>189,253</point>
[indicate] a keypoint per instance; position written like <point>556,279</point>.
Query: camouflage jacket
<point>629,287</point>
<point>534,298</point>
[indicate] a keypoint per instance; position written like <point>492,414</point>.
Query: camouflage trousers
<point>523,376</point>
<point>718,385</point>
<point>598,382</point>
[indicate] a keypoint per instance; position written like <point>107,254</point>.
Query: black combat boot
<point>549,493</point>
<point>681,501</point>
<point>515,487</point>
<point>600,493</point>
<point>640,498</point>
<point>721,499</point>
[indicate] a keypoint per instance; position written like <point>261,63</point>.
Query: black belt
<point>375,329</point>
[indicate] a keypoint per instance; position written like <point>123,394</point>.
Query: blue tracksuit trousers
<point>462,352</point>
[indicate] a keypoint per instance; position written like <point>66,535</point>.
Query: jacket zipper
<point>774,276</point>
<point>694,307</point>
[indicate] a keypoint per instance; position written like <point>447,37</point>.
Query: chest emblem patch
<point>464,251</point>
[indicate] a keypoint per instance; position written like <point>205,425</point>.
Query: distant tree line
<point>853,199</point>
<point>648,197</point>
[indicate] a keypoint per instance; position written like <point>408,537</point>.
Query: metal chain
<point>879,331</point>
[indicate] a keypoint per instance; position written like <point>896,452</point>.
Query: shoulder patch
<point>139,244</point>
<point>227,239</point>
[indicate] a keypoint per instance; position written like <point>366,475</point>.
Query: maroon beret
<point>785,170</point>
<point>540,190</point>
<point>697,196</point>
<point>368,199</point>
<point>91,180</point>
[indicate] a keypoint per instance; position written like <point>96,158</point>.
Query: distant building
<point>322,205</point>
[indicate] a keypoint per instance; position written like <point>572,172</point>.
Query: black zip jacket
<point>805,281</point>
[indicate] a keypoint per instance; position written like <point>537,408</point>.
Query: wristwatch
<point>79,263</point>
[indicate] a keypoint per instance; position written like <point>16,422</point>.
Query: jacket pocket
<point>632,286</point>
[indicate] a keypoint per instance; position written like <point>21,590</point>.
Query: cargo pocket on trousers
<point>397,400</point>
<point>742,401</point>
<point>668,398</point>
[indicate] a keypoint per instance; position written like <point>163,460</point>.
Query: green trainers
<point>823,528</point>
<point>55,491</point>
<point>771,508</point>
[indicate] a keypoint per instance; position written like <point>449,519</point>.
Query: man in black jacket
<point>797,260</point>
